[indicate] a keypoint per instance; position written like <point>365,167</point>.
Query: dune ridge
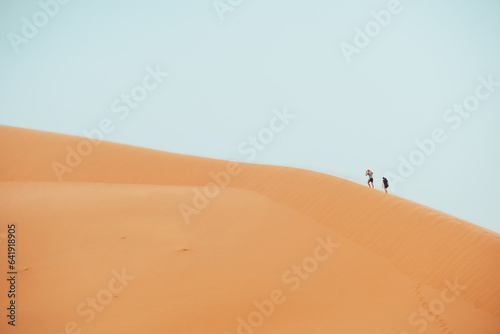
<point>426,247</point>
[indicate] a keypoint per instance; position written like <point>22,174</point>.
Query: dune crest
<point>212,244</point>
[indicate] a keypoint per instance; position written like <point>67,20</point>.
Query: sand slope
<point>112,230</point>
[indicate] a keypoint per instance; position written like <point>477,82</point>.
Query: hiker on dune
<point>369,173</point>
<point>385,184</point>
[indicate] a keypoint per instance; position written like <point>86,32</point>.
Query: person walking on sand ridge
<point>369,173</point>
<point>385,184</point>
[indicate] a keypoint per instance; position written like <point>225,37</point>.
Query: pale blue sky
<point>227,76</point>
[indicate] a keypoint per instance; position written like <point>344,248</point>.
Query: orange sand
<point>277,250</point>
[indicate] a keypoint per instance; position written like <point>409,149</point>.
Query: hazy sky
<point>361,80</point>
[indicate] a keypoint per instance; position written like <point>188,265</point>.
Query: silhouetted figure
<point>385,184</point>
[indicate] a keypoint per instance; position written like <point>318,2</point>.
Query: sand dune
<point>119,239</point>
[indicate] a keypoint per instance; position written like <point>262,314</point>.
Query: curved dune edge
<point>428,246</point>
